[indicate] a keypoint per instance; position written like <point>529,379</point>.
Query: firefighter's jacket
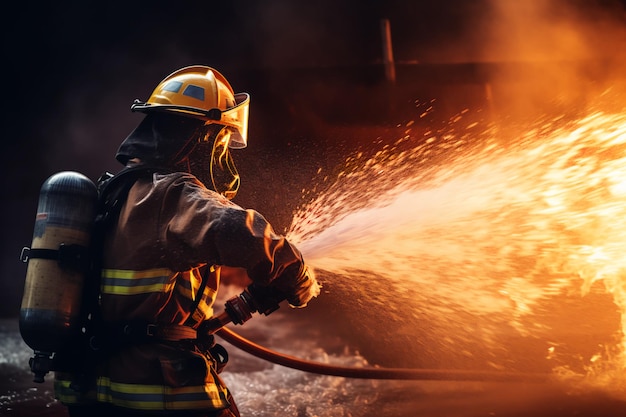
<point>171,233</point>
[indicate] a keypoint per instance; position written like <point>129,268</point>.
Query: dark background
<point>314,71</point>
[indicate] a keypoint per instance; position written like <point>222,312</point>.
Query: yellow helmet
<point>203,93</point>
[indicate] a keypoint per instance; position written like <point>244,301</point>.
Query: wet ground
<point>264,389</point>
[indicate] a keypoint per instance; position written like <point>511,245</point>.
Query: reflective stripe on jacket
<point>173,233</point>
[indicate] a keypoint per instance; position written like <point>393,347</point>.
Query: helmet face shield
<point>235,121</point>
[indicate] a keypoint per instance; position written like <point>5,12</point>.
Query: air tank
<point>58,260</point>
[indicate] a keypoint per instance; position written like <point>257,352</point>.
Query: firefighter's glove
<point>263,299</point>
<point>303,287</point>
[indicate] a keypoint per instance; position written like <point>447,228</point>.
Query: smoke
<point>535,55</point>
<point>538,30</point>
<point>562,54</point>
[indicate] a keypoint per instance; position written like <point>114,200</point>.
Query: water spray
<point>493,254</point>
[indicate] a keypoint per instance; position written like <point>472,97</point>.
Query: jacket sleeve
<point>211,229</point>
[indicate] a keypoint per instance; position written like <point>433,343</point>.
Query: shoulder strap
<point>112,193</point>
<point>191,321</point>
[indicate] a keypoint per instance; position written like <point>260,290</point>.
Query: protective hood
<point>161,139</point>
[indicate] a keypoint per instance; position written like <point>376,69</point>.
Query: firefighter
<point>162,256</point>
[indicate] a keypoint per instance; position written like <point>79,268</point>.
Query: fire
<point>488,240</point>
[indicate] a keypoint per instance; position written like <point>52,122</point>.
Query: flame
<point>509,233</point>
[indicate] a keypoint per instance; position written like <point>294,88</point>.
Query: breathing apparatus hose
<point>239,309</point>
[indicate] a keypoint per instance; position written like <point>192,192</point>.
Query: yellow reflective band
<point>129,273</point>
<point>129,282</point>
<point>204,310</point>
<point>189,283</point>
<point>64,393</point>
<point>186,292</point>
<point>68,395</point>
<point>158,397</point>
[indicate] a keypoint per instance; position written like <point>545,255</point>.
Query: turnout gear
<point>161,240</point>
<point>160,260</point>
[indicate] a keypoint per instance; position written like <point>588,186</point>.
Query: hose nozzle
<point>239,309</point>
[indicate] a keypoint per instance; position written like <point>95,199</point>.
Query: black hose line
<point>374,373</point>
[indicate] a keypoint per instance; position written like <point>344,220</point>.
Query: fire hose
<point>239,309</point>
